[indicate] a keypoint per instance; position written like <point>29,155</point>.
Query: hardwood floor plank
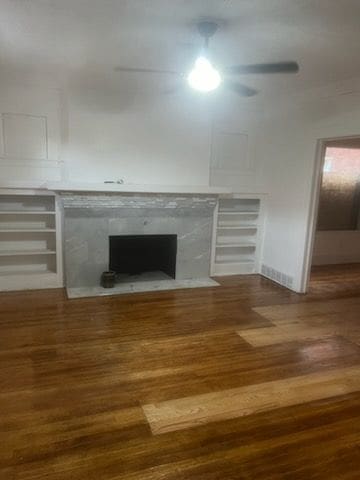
<point>277,313</point>
<point>283,334</point>
<point>290,333</point>
<point>298,333</point>
<point>191,411</point>
<point>307,322</point>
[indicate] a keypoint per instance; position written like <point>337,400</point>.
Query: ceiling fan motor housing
<point>207,28</point>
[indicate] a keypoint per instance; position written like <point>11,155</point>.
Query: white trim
<point>28,162</point>
<point>312,217</point>
<point>214,239</point>
<point>59,242</point>
<point>27,115</point>
<point>261,232</point>
<point>116,188</point>
<point>26,191</point>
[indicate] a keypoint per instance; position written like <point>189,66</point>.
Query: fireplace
<point>141,254</point>
<point>91,219</point>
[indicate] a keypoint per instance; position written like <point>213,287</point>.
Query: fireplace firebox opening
<point>143,254</point>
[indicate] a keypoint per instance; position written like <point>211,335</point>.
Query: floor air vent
<point>276,276</point>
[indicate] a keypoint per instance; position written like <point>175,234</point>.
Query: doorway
<point>336,214</point>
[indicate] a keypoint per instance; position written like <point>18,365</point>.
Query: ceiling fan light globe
<point>204,77</point>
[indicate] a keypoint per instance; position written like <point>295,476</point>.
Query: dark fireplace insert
<point>138,254</point>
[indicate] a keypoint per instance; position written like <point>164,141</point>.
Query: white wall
<point>158,142</point>
<point>94,136</point>
<point>287,148</point>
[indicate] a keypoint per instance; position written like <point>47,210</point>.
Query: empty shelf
<point>32,230</point>
<point>24,212</point>
<point>242,227</point>
<point>236,245</point>
<point>13,253</point>
<point>237,213</point>
<point>225,261</point>
<point>6,273</point>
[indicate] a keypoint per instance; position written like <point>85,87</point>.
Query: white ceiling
<point>79,42</point>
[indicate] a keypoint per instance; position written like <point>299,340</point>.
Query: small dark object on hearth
<point>108,279</point>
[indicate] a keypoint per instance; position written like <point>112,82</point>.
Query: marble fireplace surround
<point>90,218</point>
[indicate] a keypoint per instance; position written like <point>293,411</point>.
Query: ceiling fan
<point>205,77</point>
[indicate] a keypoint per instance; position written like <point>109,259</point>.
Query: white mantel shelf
<point>122,188</point>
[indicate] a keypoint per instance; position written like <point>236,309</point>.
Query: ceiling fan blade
<point>240,89</point>
<point>174,90</point>
<point>145,70</point>
<point>280,67</point>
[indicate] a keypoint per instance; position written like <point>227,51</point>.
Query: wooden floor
<point>243,381</point>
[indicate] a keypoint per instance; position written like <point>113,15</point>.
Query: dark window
<point>340,190</point>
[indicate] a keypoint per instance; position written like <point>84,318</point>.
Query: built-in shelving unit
<point>30,247</point>
<point>237,236</point>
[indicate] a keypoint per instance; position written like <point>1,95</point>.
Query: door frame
<point>314,207</point>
